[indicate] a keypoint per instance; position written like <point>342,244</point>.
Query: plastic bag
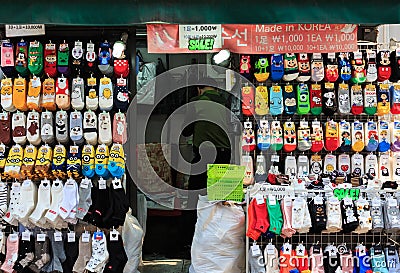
<point>132,236</point>
<point>219,239</point>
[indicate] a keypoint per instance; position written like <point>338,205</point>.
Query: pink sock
<point>317,265</point>
<point>12,251</point>
<point>286,207</point>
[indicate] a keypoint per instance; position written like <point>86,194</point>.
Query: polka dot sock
<point>28,194</point>
<point>121,96</point>
<point>9,217</point>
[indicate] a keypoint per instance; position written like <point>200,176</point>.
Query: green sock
<point>303,99</point>
<point>35,58</point>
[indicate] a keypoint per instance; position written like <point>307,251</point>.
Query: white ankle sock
<point>43,204</point>
<point>70,200</point>
<point>28,200</point>
<point>56,197</point>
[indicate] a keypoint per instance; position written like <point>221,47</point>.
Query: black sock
<point>71,254</point>
<point>118,258</point>
<point>349,216</point>
<point>25,254</point>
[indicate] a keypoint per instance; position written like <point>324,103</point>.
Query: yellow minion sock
<point>3,156</point>
<point>43,161</point>
<point>49,94</point>
<point>116,162</point>
<point>59,164</point>
<point>88,154</point>
<point>33,100</point>
<point>14,162</point>
<point>19,94</point>
<point>28,163</point>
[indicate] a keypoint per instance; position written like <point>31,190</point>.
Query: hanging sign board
<point>200,37</point>
<point>25,30</point>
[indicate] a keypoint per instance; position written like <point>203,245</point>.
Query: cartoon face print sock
<point>21,56</point>
<point>121,97</point>
<point>317,67</point>
<point>43,160</point>
<point>358,68</point>
<point>263,135</point>
<point>49,95</point>
<point>344,98</point>
<point>384,69</point>
<point>106,94</point>
<point>19,94</point>
<point>33,128</point>
<point>344,164</point>
<point>291,68</point>
<point>384,167</point>
<point>317,139</point>
<point>261,100</point>
<point>77,53</point>
<point>370,102</point>
<point>47,129</point>
<point>316,165</point>
<point>90,56</point>
<point>77,93</point>
<point>344,66</point>
<point>277,67</point>
<point>88,161</point>
<point>76,127</point>
<point>290,165</point>
<point>357,129</point>
<point>5,128</point>
<point>35,58</point>
<point>329,163</point>
<point>120,134</point>
<point>261,72</point>
<point>357,165</point>
<point>304,67</point>
<point>395,98</point>
<point>331,69</point>
<point>396,167</point>
<point>34,96</point>
<point>331,135</point>
<point>260,175</point>
<point>356,100</point>
<point>289,137</point>
<point>276,100</point>
<point>345,136</point>
<point>276,136</point>
<point>59,163</point>
<point>372,72</point>
<point>30,155</point>
<point>92,98</point>
<point>116,162</point>
<point>303,167</point>
<point>304,136</point>
<point>63,59</point>
<point>371,136</point>
<point>371,165</point>
<point>50,60</point>
<point>19,128</point>
<point>245,65</point>
<point>7,94</point>
<point>7,58</point>
<point>90,127</point>
<point>105,133</point>
<point>246,161</point>
<point>248,138</point>
<point>329,104</point>
<point>384,136</point>
<point>303,99</point>
<point>395,147</point>
<point>62,135</point>
<point>62,93</point>
<point>74,161</point>
<point>289,100</point>
<point>316,99</point>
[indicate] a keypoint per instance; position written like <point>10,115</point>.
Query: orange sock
<point>33,100</point>
<point>19,94</point>
<point>49,95</point>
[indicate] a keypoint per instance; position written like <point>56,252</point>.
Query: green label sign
<point>201,44</point>
<point>342,193</point>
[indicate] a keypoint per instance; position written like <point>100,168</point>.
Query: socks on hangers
<point>304,136</point>
<point>316,99</point>
<point>276,136</point>
<point>289,133</point>
<point>371,136</point>
<point>248,138</point>
<point>289,99</point>
<point>383,105</point>
<point>261,100</point>
<point>317,138</point>
<point>331,135</point>
<point>344,132</point>
<point>263,135</point>
<point>384,136</point>
<point>370,101</point>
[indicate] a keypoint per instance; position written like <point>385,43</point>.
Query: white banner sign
<point>200,37</point>
<point>25,30</point>
<point>278,191</point>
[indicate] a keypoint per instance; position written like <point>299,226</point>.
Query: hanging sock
<point>317,67</point>
<point>344,164</point>
<point>289,99</point>
<point>372,72</point>
<point>62,93</point>
<point>276,100</point>
<point>304,136</point>
<point>384,69</point>
<point>291,68</point>
<point>331,68</point>
<point>263,135</point>
<point>344,98</point>
<point>395,97</point>
<point>357,130</point>
<point>78,93</point>
<point>260,175</point>
<point>275,215</point>
<point>304,67</point>
<point>383,106</point>
<point>357,100</point>
<point>277,67</point>
<point>19,94</point>
<point>50,60</point>
<point>331,135</point>
<point>7,95</point>
<point>286,207</point>
<point>276,136</point>
<point>261,100</point>
<point>344,132</point>
<point>105,132</point>
<point>384,136</point>
<point>329,103</point>
<point>289,135</point>
<point>358,74</point>
<point>35,58</point>
<point>120,134</point>
<point>384,168</point>
<point>317,139</point>
<point>344,66</point>
<point>370,101</point>
<point>371,165</point>
<point>34,94</point>
<point>392,259</point>
<point>247,161</point>
<point>256,261</point>
<point>248,138</point>
<point>357,165</point>
<point>303,99</point>
<point>21,57</point>
<point>349,215</point>
<point>316,165</point>
<point>371,136</point>
<point>395,147</point>
<point>91,94</point>
<point>316,99</point>
<point>248,100</point>
<point>49,95</point>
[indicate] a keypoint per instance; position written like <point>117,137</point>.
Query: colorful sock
<point>384,167</point>
<point>120,134</point>
<point>105,59</point>
<point>395,147</point>
<point>358,68</point>
<point>304,67</point>
<point>277,67</point>
<point>344,132</point>
<point>63,59</point>
<point>395,64</point>
<point>49,95</point>
<point>372,73</point>
<point>32,125</point>
<point>34,97</point>
<point>12,253</point>
<point>290,165</point>
<point>303,167</point>
<point>291,68</point>
<point>357,165</point>
<point>275,215</point>
<point>329,163</point>
<point>344,164</point>
<point>35,57</point>
<point>331,135</point>
<point>99,253</point>
<point>245,65</point>
<point>19,128</point>
<point>19,94</point>
<point>329,103</point>
<point>261,68</point>
<point>371,165</point>
<point>6,95</point>
<point>5,128</point>
<point>88,165</point>
<point>90,57</point>
<point>344,66</point>
<point>14,161</point>
<point>101,161</point>
<point>90,127</point>
<point>276,136</point>
<point>303,99</point>
<point>263,135</point>
<point>7,58</point>
<point>396,167</point>
<point>106,94</point>
<point>62,135</point>
<point>304,136</point>
<point>77,93</point>
<point>59,164</point>
<point>77,58</point>
<point>105,133</point>
<point>289,137</point>
<point>21,55</point>
<point>371,136</point>
<point>289,99</point>
<point>344,98</point>
<point>43,160</point>
<point>276,100</point>
<point>395,98</point>
<point>121,96</point>
<point>247,161</point>
<point>331,69</point>
<point>30,155</point>
<point>370,99</point>
<point>74,161</point>
<point>116,162</point>
<point>62,94</point>
<point>317,138</point>
<point>317,67</point>
<point>47,129</point>
<point>121,68</point>
<point>286,208</point>
<point>50,60</point>
<point>248,138</point>
<point>76,127</point>
<point>92,98</point>
<point>357,139</point>
<point>261,166</point>
<point>357,106</point>
<point>252,232</point>
<point>384,69</point>
<point>261,100</point>
<point>316,99</point>
<point>384,136</point>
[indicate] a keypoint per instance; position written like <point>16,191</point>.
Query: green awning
<point>133,12</point>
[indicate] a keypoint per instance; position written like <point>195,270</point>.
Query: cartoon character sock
<point>276,100</point>
<point>63,59</point>
<point>59,163</point>
<point>247,161</point>
<point>358,74</point>
<point>121,96</point>
<point>49,95</point>
<point>105,133</point>
<point>395,133</point>
<point>47,129</point>
<point>289,137</point>
<point>344,66</point>
<point>33,128</point>
<point>43,160</point>
<point>7,58</point>
<point>384,69</point>
<point>247,100</point>
<point>303,166</point>
<point>303,99</point>
<point>88,161</point>
<point>19,128</point>
<point>30,155</point>
<point>120,134</point>
<point>290,165</point>
<point>317,138</point>
<point>74,161</point>
<point>261,166</point>
<point>90,127</point>
<point>105,59</point>
<point>263,135</point>
<point>344,164</point>
<point>370,99</point>
<point>357,165</point>
<point>345,136</point>
<point>35,57</point>
<point>34,97</point>
<point>92,98</point>
<point>106,94</point>
<point>7,94</point>
<point>5,128</point>
<point>396,167</point>
<point>277,67</point>
<point>77,53</point>
<point>357,100</point>
<point>384,167</point>
<point>317,67</point>
<point>331,135</point>
<point>78,93</point>
<point>62,135</point>
<point>50,60</point>
<point>304,136</point>
<point>14,161</point>
<point>21,56</point>
<point>291,68</point>
<point>19,94</point>
<point>63,100</point>
<point>261,100</point>
<point>261,72</point>
<point>372,72</point>
<point>395,98</point>
<point>289,99</point>
<point>344,98</point>
<point>304,67</point>
<point>371,136</point>
<point>329,104</point>
<point>248,138</point>
<point>116,162</point>
<point>276,136</point>
<point>316,99</point>
<point>383,107</point>
<point>384,136</point>
<point>245,65</point>
<point>371,165</point>
<point>357,137</point>
<point>76,127</point>
<point>329,163</point>
<point>90,57</point>
<point>331,69</point>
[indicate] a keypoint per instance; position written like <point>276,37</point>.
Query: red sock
<point>357,101</point>
<point>262,223</point>
<point>317,137</point>
<point>248,138</point>
<point>248,100</point>
<point>289,137</point>
<point>331,136</point>
<point>395,108</point>
<point>316,99</point>
<point>252,232</point>
<point>50,60</point>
